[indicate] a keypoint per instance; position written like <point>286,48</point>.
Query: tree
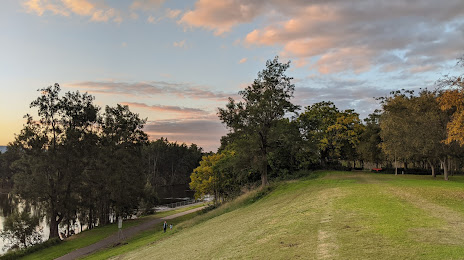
<point>452,100</point>
<point>21,230</point>
<point>265,102</point>
<point>122,141</point>
<point>52,149</point>
<point>205,180</point>
<point>335,133</point>
<point>369,144</point>
<point>413,128</point>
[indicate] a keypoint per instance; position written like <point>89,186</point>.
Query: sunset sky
<point>176,62</point>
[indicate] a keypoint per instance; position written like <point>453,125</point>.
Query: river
<point>166,195</point>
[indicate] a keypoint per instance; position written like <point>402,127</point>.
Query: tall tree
<point>265,102</point>
<point>452,100</point>
<point>50,168</point>
<point>369,148</point>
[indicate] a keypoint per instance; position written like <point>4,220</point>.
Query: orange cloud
<point>96,12</point>
<point>80,7</point>
<point>219,16</point>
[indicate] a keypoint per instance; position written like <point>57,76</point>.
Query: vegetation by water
<point>342,215</point>
<point>92,236</point>
<point>76,163</point>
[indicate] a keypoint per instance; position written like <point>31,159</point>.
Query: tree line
<point>269,137</point>
<point>77,162</point>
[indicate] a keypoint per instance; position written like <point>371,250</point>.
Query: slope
<point>341,215</point>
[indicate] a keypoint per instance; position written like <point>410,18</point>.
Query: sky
<point>175,62</point>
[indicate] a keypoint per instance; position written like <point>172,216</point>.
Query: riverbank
<point>89,237</point>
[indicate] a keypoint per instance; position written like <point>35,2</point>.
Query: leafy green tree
<point>50,168</point>
<point>170,163</point>
<point>215,176</point>
<point>413,128</point>
<point>335,133</point>
<point>265,102</point>
<point>21,230</point>
<point>204,179</point>
<point>369,148</point>
<point>122,142</point>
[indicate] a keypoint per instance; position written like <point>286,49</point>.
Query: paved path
<point>128,233</point>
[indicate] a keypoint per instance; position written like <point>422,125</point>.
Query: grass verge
<point>89,237</point>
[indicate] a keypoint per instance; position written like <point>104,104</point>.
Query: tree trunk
<point>432,167</point>
<point>54,225</point>
<point>264,181</point>
<point>445,167</point>
<point>396,167</point>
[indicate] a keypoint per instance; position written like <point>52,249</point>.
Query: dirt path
<point>326,237</point>
<point>128,233</point>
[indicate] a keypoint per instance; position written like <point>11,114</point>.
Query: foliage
<point>413,128</point>
<point>170,163</point>
<point>453,100</point>
<point>335,133</point>
<point>211,176</point>
<point>369,148</point>
<point>17,254</point>
<point>53,150</point>
<point>21,230</point>
<point>265,102</point>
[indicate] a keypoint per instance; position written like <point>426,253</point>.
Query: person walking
<point>165,226</point>
<point>170,227</point>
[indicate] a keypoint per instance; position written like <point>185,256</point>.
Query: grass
<point>341,215</point>
<point>89,237</point>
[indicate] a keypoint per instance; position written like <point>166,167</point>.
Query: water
<point>167,194</point>
<point>174,193</point>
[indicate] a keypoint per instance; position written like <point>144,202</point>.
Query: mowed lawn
<point>341,215</point>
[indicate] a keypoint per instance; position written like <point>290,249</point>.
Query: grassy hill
<point>341,215</point>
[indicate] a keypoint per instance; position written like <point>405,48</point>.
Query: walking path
<point>128,233</point>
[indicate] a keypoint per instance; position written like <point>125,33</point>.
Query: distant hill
<point>2,149</point>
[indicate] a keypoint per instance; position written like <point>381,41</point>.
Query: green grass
<point>340,215</point>
<point>89,237</point>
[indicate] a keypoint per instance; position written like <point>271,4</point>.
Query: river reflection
<point>8,203</point>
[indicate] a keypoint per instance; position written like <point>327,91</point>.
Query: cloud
<point>151,89</point>
<point>172,14</point>
<point>243,60</point>
<point>335,36</point>
<point>179,44</point>
<point>205,133</point>
<point>184,112</point>
<point>220,16</point>
<point>96,11</point>
<point>146,5</point>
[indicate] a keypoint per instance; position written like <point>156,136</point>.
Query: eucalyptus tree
<point>265,102</point>
<point>122,140</point>
<point>52,150</point>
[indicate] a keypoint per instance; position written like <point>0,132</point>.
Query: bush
<point>23,252</point>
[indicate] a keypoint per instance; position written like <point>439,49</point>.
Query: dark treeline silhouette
<point>76,162</point>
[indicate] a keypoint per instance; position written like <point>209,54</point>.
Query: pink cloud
<point>95,10</point>
<point>219,16</point>
<point>181,112</point>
